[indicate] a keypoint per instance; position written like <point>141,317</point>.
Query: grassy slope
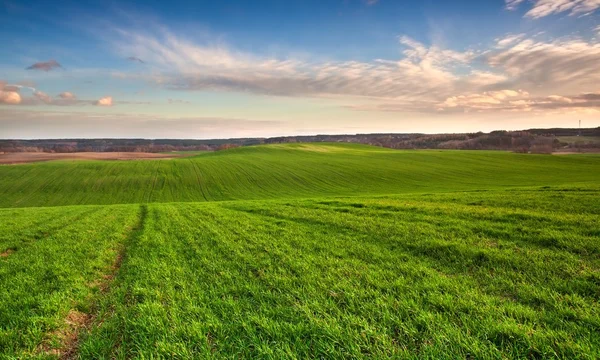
<point>498,274</point>
<point>54,260</point>
<point>284,171</point>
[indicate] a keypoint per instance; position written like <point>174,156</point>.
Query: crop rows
<point>284,171</point>
<point>496,274</point>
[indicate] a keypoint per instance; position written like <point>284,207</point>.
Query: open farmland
<point>28,157</point>
<point>299,251</point>
<point>285,171</point>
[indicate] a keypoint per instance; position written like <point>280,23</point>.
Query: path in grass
<point>61,260</point>
<point>431,276</point>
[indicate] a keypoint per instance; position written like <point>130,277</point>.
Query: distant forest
<point>532,140</point>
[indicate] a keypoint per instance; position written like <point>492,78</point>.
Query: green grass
<point>360,253</point>
<point>54,257</point>
<point>284,171</point>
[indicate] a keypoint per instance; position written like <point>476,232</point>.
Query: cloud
<point>542,8</point>
<point>508,40</point>
<point>518,100</point>
<point>10,97</point>
<point>513,4</point>
<point>45,66</point>
<point>420,79</point>
<point>67,95</point>
<point>9,94</point>
<point>371,2</point>
<point>179,64</point>
<point>559,66</point>
<point>13,88</point>
<point>42,96</point>
<point>136,59</point>
<point>105,101</point>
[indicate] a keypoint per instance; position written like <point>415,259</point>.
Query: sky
<point>221,69</point>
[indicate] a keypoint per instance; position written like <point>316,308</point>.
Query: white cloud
<point>486,100</point>
<point>542,8</point>
<point>513,4</point>
<point>567,66</point>
<point>182,65</point>
<point>105,101</point>
<point>519,100</point>
<point>508,40</point>
<point>67,95</point>
<point>423,76</point>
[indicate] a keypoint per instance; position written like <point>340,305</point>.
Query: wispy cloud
<point>542,8</point>
<point>421,79</point>
<point>513,4</point>
<point>180,64</point>
<point>560,66</point>
<point>518,100</point>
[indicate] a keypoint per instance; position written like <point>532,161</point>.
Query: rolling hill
<point>285,171</point>
<point>302,251</point>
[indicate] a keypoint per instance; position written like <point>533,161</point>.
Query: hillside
<point>532,140</point>
<point>495,274</point>
<point>285,171</point>
<point>328,251</point>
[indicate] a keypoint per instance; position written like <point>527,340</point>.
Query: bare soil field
<point>27,157</point>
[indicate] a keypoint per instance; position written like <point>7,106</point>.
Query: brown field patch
<point>7,253</point>
<point>27,157</point>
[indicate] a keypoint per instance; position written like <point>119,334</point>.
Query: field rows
<point>284,171</point>
<point>496,274</point>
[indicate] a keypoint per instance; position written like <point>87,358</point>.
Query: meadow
<point>284,171</point>
<point>303,251</point>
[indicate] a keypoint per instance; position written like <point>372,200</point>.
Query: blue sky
<point>200,69</point>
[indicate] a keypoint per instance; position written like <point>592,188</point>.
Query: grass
<point>284,171</point>
<point>53,260</point>
<point>431,272</point>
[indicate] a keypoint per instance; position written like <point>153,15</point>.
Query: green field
<point>284,171</point>
<point>303,251</point>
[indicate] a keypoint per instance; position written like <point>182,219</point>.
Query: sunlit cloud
<point>421,79</point>
<point>10,97</point>
<point>518,100</point>
<point>105,101</point>
<point>67,95</point>
<point>513,4</point>
<point>43,97</point>
<point>542,8</point>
